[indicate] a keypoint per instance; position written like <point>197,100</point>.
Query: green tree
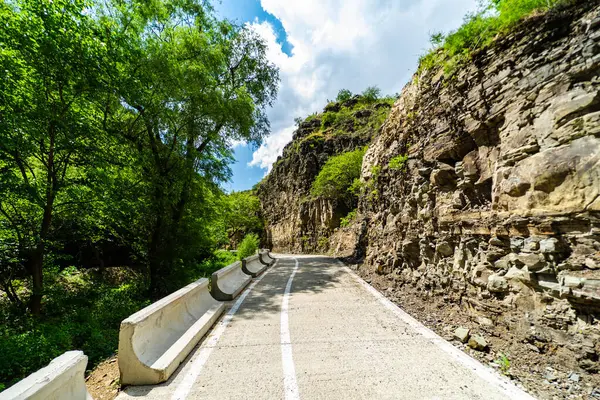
<point>243,216</point>
<point>189,85</point>
<point>53,63</point>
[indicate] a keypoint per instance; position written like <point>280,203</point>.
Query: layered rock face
<point>295,221</point>
<point>498,204</point>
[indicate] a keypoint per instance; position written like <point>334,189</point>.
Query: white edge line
<point>484,372</point>
<point>206,348</point>
<point>290,383</point>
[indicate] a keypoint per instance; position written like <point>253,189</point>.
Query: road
<point>309,328</point>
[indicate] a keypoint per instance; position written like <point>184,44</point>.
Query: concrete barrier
<point>228,282</point>
<point>62,379</point>
<point>253,266</point>
<point>265,256</point>
<point>154,341</point>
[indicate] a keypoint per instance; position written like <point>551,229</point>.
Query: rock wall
<point>295,221</point>
<point>498,205</point>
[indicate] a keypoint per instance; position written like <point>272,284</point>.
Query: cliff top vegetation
<point>349,114</point>
<point>480,29</point>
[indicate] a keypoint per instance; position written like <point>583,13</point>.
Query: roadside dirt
<point>103,381</point>
<point>536,366</point>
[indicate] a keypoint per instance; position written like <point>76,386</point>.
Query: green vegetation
<point>328,119</point>
<point>343,95</point>
<point>304,241</point>
<point>323,242</point>
<point>220,259</point>
<point>248,246</point>
<point>242,216</point>
<point>116,124</point>
<point>479,30</point>
<point>504,363</point>
<point>84,312</point>
<point>398,162</point>
<point>371,94</point>
<point>350,115</point>
<point>369,188</point>
<point>338,176</point>
<point>347,220</point>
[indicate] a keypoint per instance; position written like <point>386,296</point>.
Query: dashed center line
<point>289,370</point>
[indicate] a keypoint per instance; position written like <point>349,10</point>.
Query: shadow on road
<point>315,274</point>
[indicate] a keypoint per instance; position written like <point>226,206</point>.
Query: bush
<point>343,95</point>
<point>371,94</point>
<point>323,243</point>
<point>81,314</point>
<point>248,246</point>
<point>338,175</point>
<point>398,162</point>
<point>220,259</point>
<point>327,120</point>
<point>347,220</point>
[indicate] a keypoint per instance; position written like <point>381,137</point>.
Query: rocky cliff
<point>484,196</point>
<point>295,220</point>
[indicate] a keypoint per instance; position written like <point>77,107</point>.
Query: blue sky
<point>242,11</point>
<point>322,46</point>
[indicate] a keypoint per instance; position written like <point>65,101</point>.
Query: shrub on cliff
<point>371,94</point>
<point>343,95</point>
<point>480,29</point>
<point>398,162</point>
<point>338,175</point>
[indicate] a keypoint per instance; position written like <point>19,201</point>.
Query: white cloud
<point>237,143</point>
<point>267,154</point>
<point>348,44</point>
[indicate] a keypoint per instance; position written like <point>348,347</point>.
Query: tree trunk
<point>36,269</point>
<point>155,258</point>
<point>36,260</point>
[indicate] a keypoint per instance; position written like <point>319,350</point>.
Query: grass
<point>479,30</point>
<point>504,363</point>
<point>84,310</point>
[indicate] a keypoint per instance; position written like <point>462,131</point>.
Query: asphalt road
<point>309,328</point>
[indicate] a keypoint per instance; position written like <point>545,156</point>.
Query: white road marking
<point>290,384</point>
<point>184,388</point>
<point>486,373</point>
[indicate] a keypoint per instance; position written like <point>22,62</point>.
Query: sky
<point>322,46</point>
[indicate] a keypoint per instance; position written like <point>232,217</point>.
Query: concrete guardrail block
<point>62,379</point>
<point>154,341</point>
<point>228,282</point>
<point>265,257</point>
<point>253,266</point>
